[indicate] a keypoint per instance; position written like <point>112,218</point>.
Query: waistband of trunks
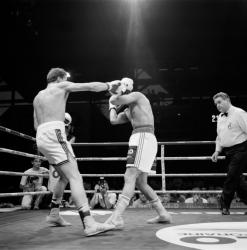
<point>143,128</point>
<point>51,125</point>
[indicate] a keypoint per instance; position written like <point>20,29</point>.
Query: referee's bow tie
<point>225,114</point>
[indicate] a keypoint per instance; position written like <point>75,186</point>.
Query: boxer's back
<point>49,104</point>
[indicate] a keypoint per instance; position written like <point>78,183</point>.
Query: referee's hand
<point>214,157</point>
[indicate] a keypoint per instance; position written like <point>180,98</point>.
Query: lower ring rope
<point>9,173</point>
<point>116,191</point>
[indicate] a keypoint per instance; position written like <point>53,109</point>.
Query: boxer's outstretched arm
<point>90,86</point>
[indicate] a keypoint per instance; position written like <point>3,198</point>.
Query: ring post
<point>163,170</point>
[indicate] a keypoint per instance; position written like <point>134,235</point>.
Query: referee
<point>232,140</point>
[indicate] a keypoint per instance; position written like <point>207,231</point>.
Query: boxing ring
<point>191,228</point>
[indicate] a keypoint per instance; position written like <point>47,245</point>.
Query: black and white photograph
<point>123,124</point>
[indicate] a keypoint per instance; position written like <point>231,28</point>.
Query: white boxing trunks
<point>52,142</point>
<point>142,149</point>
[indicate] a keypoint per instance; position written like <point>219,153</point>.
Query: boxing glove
<point>114,87</point>
<point>128,83</point>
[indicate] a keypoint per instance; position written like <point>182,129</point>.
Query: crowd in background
<point>103,198</point>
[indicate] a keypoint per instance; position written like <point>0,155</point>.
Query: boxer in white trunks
<point>49,114</point>
<point>141,153</point>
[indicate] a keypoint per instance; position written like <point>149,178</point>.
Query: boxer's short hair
<point>54,73</point>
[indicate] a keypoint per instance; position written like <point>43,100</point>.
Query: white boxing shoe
<point>57,220</point>
<point>161,219</point>
<point>97,228</point>
<point>118,222</point>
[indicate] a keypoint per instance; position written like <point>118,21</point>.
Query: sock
<point>157,205</point>
<point>123,202</point>
<point>84,211</point>
<point>55,204</point>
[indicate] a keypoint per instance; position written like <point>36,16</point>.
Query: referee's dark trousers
<point>236,157</point>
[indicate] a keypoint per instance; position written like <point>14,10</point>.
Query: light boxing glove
<point>114,87</point>
<point>128,83</point>
<point>67,119</point>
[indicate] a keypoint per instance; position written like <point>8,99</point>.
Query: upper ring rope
<point>13,132</point>
<point>159,143</point>
<point>15,152</point>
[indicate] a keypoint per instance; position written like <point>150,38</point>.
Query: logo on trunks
<point>207,236</point>
<point>130,151</point>
<point>55,174</point>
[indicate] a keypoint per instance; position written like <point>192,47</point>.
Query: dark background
<point>191,48</point>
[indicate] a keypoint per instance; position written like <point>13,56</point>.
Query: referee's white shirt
<point>231,129</point>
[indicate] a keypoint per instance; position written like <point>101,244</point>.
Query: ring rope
<point>159,143</point>
<point>10,173</point>
<point>172,158</point>
<point>15,152</point>
<point>116,191</point>
<point>13,132</point>
<point>162,158</point>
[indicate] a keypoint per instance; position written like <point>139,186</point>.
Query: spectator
<point>141,202</point>
<point>102,198</point>
<point>196,198</point>
<point>164,198</point>
<point>33,183</point>
<point>213,198</point>
<point>181,198</point>
<point>177,198</point>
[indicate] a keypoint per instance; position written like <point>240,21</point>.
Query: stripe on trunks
<point>138,153</point>
<point>61,141</point>
<point>139,150</point>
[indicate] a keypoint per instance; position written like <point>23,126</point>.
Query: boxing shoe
<point>91,227</point>
<point>118,222</point>
<point>97,228</point>
<point>57,220</point>
<point>160,219</point>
